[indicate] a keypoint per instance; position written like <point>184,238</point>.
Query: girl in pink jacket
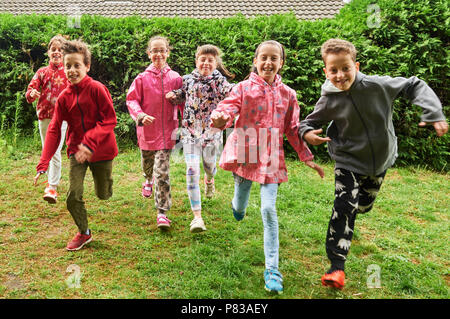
<point>157,123</point>
<point>267,109</point>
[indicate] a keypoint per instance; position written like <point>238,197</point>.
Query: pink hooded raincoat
<point>147,95</point>
<point>254,150</point>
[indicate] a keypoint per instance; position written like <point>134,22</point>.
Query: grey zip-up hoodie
<point>361,130</point>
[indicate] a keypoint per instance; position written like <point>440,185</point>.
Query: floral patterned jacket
<point>50,81</point>
<point>201,95</point>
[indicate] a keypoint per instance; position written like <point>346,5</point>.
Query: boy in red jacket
<point>87,107</point>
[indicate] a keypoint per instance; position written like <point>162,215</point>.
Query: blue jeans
<point>268,194</point>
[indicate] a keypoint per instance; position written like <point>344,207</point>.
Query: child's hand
<point>147,120</point>
<point>83,154</point>
<point>35,93</point>
<point>312,138</point>
<point>36,178</point>
<point>316,167</point>
<point>441,127</point>
<point>170,96</point>
<point>219,119</point>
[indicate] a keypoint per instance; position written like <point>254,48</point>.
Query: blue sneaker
<point>238,216</point>
<point>274,281</point>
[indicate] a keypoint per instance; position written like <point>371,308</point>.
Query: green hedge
<point>403,39</point>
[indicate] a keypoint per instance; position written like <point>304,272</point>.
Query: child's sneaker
<point>273,281</point>
<point>209,187</point>
<point>50,195</point>
<point>147,189</point>
<point>79,241</point>
<point>237,215</point>
<point>197,225</point>
<point>335,279</point>
<point>163,222</point>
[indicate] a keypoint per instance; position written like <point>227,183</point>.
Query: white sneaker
<point>50,195</point>
<point>197,225</point>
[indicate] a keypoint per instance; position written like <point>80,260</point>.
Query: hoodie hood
<point>329,88</point>
<point>152,69</point>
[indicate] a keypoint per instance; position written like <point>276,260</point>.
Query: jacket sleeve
<point>231,105</point>
<point>133,100</point>
<point>315,120</point>
<point>106,122</point>
<point>180,96</point>
<point>417,92</point>
<point>291,126</point>
<point>52,138</point>
<point>225,87</point>
<point>34,84</point>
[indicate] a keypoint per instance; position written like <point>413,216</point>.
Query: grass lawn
<point>406,235</point>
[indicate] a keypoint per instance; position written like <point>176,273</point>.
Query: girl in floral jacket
<point>267,110</point>
<point>46,85</point>
<point>202,90</point>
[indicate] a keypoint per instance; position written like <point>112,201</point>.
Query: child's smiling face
<point>75,68</point>
<point>55,53</point>
<point>206,64</point>
<point>341,70</point>
<point>158,53</point>
<point>268,62</point>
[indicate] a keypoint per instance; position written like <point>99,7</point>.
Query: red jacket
<point>88,109</point>
<point>50,81</point>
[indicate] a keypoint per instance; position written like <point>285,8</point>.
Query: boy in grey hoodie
<point>360,137</point>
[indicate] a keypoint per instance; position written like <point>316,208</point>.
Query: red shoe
<point>79,241</point>
<point>336,279</point>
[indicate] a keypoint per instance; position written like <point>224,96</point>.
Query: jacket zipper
<point>162,106</point>
<point>82,115</point>
<point>367,133</point>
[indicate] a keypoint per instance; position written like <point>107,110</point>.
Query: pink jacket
<point>147,96</point>
<point>254,150</point>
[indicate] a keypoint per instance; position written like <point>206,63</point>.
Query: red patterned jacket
<point>50,81</point>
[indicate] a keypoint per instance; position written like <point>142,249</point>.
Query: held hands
<point>171,96</point>
<point>219,119</point>
<point>316,167</point>
<point>83,154</point>
<point>441,127</point>
<point>313,138</point>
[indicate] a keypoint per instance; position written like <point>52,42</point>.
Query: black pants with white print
<point>354,194</point>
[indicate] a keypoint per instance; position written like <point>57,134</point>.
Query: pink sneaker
<point>79,241</point>
<point>163,222</point>
<point>147,189</point>
<point>50,195</point>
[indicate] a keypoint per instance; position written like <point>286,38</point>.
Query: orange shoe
<point>336,279</point>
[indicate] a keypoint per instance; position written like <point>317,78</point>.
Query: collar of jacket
<point>358,78</point>
<point>56,67</point>
<point>151,68</point>
<point>255,78</point>
<point>214,76</point>
<point>82,84</point>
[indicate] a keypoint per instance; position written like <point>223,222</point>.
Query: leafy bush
<point>410,39</point>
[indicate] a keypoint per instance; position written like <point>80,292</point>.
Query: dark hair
<point>269,42</point>
<point>77,46</point>
<point>215,51</point>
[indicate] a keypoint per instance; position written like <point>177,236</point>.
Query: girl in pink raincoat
<point>267,109</point>
<point>157,123</point>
